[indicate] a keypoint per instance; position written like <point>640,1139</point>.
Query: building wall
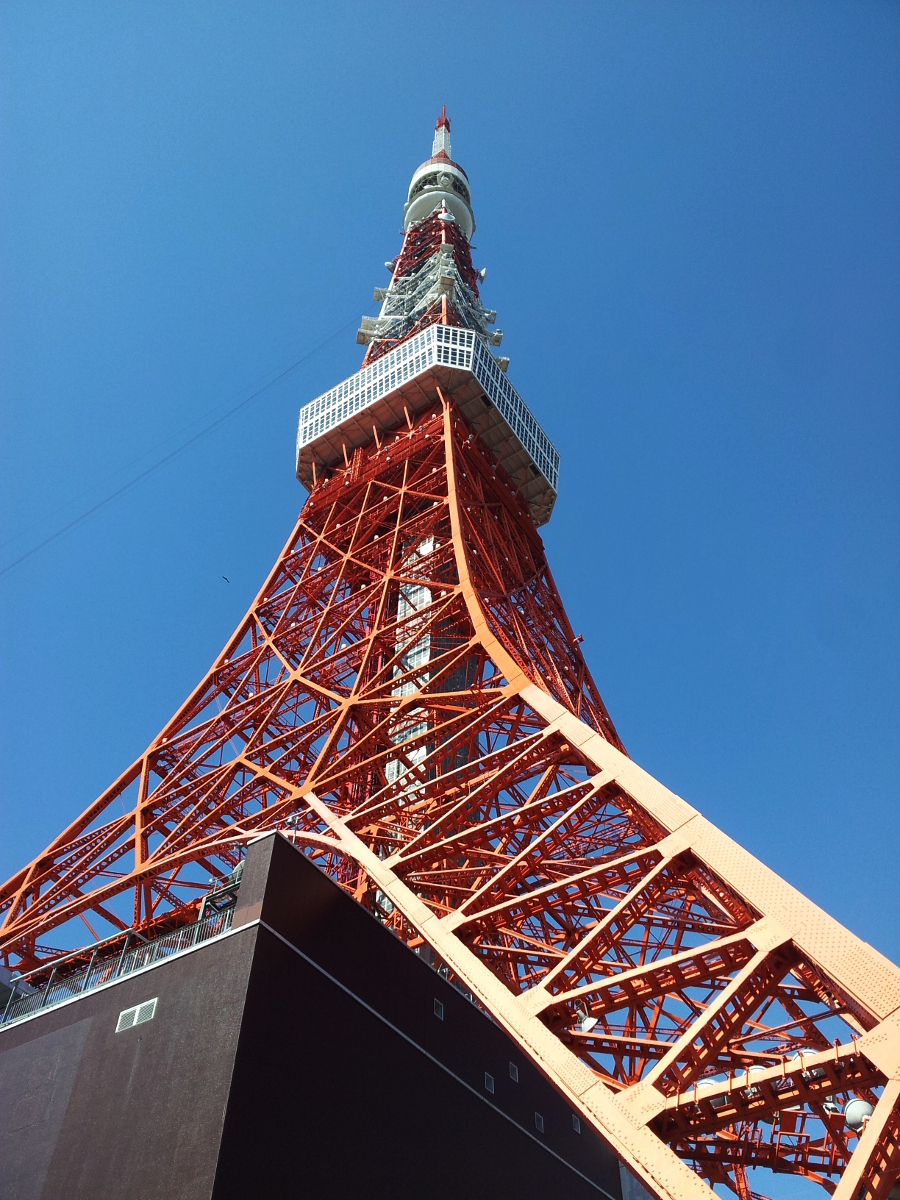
<point>343,1061</point>
<point>86,1112</point>
<point>297,1056</point>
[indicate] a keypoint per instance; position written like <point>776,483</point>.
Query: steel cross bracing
<point>432,279</point>
<point>406,700</point>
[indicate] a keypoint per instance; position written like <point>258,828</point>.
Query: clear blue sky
<point>689,215</point>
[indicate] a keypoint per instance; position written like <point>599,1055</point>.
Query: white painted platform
<point>457,361</point>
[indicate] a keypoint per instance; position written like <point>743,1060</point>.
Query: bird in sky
<point>227,580</point>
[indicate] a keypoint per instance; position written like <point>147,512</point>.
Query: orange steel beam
<point>407,701</point>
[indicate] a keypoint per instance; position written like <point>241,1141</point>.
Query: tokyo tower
<point>406,703</point>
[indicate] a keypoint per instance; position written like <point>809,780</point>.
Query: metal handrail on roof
<point>214,918</point>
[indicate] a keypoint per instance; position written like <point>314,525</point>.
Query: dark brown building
<point>304,1052</point>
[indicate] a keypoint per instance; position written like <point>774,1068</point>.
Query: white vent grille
<point>141,1013</point>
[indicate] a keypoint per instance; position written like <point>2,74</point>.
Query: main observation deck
<point>457,361</point>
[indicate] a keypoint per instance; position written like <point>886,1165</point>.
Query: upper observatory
<point>440,181</point>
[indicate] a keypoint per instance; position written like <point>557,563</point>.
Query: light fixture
<point>585,1023</point>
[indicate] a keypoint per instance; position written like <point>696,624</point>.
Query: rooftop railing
<point>24,1000</point>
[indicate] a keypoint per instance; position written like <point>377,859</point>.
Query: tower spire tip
<point>441,134</point>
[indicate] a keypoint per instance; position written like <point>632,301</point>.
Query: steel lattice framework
<point>407,702</point>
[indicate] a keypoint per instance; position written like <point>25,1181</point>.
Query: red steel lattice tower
<point>406,701</point>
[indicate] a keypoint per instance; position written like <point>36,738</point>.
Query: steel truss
<point>407,702</point>
<point>433,279</point>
